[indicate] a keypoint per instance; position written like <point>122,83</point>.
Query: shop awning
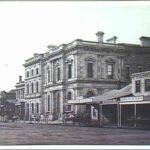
<point>112,95</point>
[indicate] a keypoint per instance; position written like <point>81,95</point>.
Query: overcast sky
<point>28,27</point>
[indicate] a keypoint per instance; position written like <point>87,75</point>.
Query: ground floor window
<point>37,107</point>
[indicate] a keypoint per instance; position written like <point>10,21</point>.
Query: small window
<point>58,73</point>
<point>138,86</point>
<point>37,70</point>
<point>27,74</point>
<point>69,71</point>
<point>110,71</point>
<point>90,70</point>
<point>147,84</point>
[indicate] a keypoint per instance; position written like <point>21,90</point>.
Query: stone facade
<point>80,68</point>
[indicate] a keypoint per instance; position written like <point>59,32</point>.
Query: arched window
<point>27,88</point>
<point>90,94</point>
<point>69,95</point>
<point>32,87</point>
<point>32,107</point>
<point>37,87</point>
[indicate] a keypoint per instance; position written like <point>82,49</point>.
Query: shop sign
<point>109,101</point>
<point>129,99</point>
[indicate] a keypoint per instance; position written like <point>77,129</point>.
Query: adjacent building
<point>77,70</point>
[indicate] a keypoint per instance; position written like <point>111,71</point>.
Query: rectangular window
<point>138,86</point>
<point>58,74</point>
<point>90,70</point>
<point>69,71</point>
<point>127,72</point>
<point>110,71</point>
<point>147,84</point>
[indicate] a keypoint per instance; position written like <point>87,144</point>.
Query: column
<point>135,115</point>
<point>120,115</point>
<point>100,115</point>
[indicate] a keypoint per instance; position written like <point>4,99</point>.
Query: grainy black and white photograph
<point>74,73</point>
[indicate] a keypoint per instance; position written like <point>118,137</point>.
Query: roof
<point>11,101</point>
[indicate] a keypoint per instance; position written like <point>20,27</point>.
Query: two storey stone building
<point>80,69</point>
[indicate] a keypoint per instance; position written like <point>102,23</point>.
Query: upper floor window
<point>27,88</point>
<point>90,70</point>
<point>69,71</point>
<point>58,73</point>
<point>27,74</point>
<point>32,72</point>
<point>138,86</point>
<point>37,70</point>
<point>110,71</point>
<point>32,87</point>
<point>90,94</point>
<point>127,72</point>
<point>37,87</point>
<point>48,75</point>
<point>147,84</point>
<point>69,95</point>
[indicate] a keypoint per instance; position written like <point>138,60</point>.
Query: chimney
<point>51,47</point>
<point>20,78</point>
<point>145,41</point>
<point>100,35</point>
<point>112,40</point>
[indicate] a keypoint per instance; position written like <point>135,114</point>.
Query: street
<point>38,134</point>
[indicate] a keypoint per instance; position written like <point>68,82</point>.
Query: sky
<point>29,27</point>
